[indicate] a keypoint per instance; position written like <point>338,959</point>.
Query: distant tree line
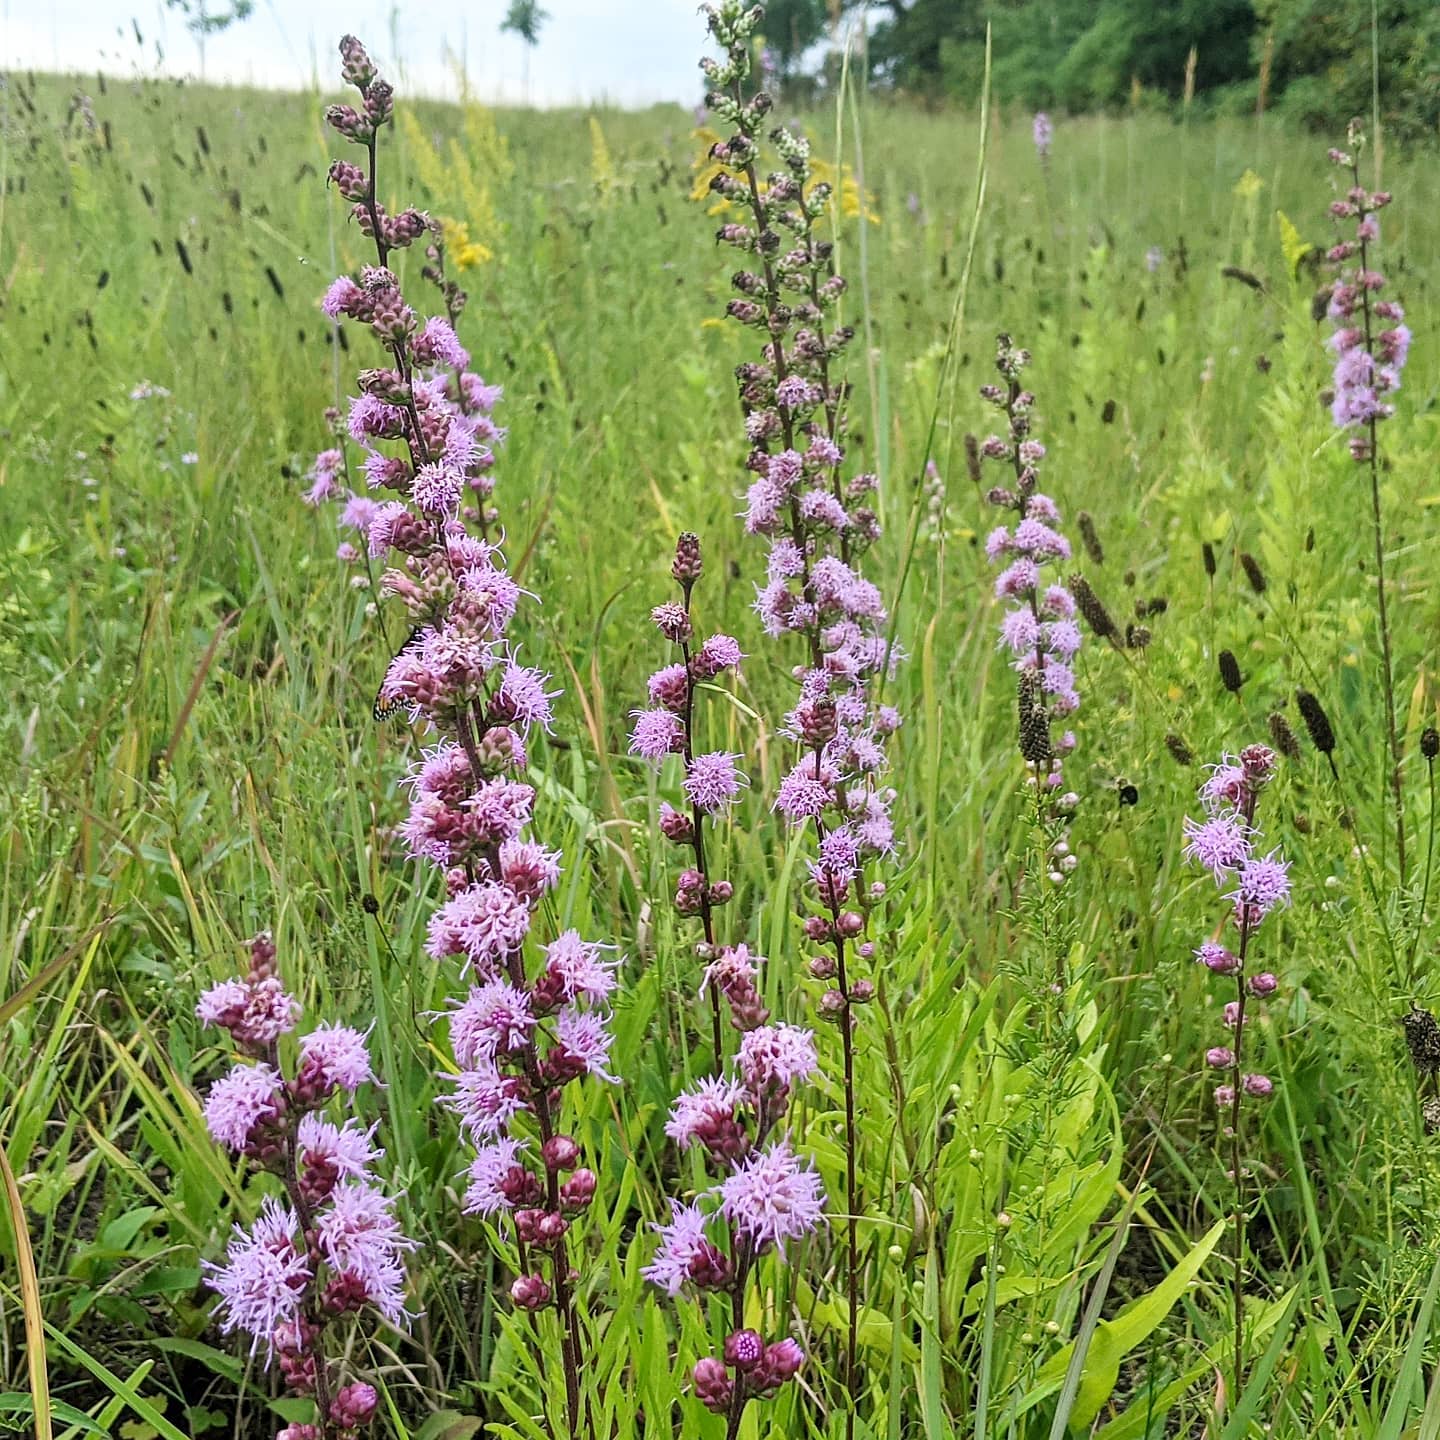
<point>1309,59</point>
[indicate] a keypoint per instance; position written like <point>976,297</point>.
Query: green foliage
<point>186,716</point>
<point>524,18</point>
<point>1080,55</point>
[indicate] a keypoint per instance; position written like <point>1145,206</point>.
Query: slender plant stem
<point>1237,1148</point>
<point>1425,887</point>
<point>1377,525</point>
<point>697,844</point>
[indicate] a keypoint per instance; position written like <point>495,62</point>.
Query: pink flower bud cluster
<point>1371,341</point>
<point>765,1196</point>
<point>1226,842</point>
<point>1039,628</point>
<point>421,424</point>
<point>333,1246</point>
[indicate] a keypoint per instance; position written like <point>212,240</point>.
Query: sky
<point>627,52</point>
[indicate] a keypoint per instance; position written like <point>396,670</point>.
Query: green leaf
<point>1114,1339</point>
<point>226,1366</point>
<point>1402,1397</point>
<point>448,1425</point>
<point>12,1402</point>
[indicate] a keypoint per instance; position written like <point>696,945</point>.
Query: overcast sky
<point>631,52</point>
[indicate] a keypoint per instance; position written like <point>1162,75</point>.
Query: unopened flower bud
<point>688,565</point>
<point>713,1386</point>
<point>354,1405</point>
<point>560,1152</point>
<point>744,1350</point>
<point>822,967</point>
<point>530,1292</point>
<point>579,1190</point>
<point>550,1229</point>
<point>675,826</point>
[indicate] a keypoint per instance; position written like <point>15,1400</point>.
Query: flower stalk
<point>1226,843</point>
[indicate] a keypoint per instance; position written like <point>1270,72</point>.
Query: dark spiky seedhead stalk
<point>1085,523</point>
<point>972,459</point>
<point>1034,719</point>
<point>1430,1114</point>
<point>1207,554</point>
<point>1180,752</point>
<point>1422,1039</point>
<point>1253,573</point>
<point>1230,675</point>
<point>1317,722</point>
<point>1430,742</point>
<point>1283,736</point>
<point>1096,615</point>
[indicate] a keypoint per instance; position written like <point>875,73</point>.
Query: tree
<point>791,28</point>
<point>524,18</point>
<point>203,22</point>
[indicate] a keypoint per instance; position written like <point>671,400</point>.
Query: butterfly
<point>384,709</point>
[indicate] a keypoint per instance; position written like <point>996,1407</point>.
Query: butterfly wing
<point>384,709</point>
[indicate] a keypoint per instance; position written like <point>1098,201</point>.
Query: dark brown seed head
<point>1089,604</point>
<point>1253,573</point>
<point>1422,1039</point>
<point>1180,752</point>
<point>1430,1114</point>
<point>1430,742</point>
<point>1207,553</point>
<point>1085,523</point>
<point>1283,736</point>
<point>1137,637</point>
<point>1230,671</point>
<point>1034,720</point>
<point>1317,722</point>
<point>972,458</point>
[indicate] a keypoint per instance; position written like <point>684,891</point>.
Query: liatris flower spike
<point>1371,344</point>
<point>521,1034</point>
<point>427,397</point>
<point>1371,340</point>
<point>332,1246</point>
<point>1038,628</point>
<point>818,527</point>
<point>711,785</point>
<point>1226,842</point>
<point>765,1197</point>
<point>1042,132</point>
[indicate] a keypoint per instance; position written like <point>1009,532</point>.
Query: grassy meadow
<point>191,757</point>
